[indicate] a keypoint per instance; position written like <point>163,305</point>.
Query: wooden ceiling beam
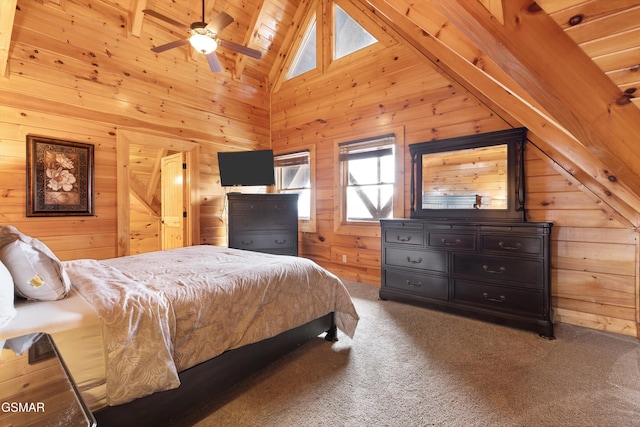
<point>551,68</point>
<point>257,20</point>
<point>137,17</point>
<point>496,9</point>
<point>7,16</point>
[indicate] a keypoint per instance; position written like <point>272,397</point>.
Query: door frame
<point>192,201</point>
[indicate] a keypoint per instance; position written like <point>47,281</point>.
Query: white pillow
<point>36,276</point>
<point>7,310</point>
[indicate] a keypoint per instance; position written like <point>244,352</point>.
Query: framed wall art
<point>59,177</point>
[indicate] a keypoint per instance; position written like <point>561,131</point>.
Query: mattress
<point>50,316</point>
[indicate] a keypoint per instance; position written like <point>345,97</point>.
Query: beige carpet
<point>409,366</point>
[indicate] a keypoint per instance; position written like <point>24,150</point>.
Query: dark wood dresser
<point>264,223</point>
<point>493,271</point>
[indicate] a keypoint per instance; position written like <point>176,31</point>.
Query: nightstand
<point>37,389</point>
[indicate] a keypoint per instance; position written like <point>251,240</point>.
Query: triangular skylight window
<point>349,35</point>
<point>305,59</point>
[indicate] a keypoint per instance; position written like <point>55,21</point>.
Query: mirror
<point>479,177</point>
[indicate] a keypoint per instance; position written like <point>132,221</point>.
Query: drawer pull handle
<point>510,248</point>
<point>250,242</point>
<point>414,261</point>
<point>501,299</point>
<point>450,243</point>
<point>400,239</point>
<point>415,285</point>
<point>280,242</point>
<point>488,270</point>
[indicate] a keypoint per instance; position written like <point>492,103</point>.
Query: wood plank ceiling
<point>574,63</point>
<point>607,31</point>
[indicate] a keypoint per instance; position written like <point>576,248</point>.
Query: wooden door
<point>172,195</point>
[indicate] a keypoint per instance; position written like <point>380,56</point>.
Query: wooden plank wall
<point>390,89</point>
<point>595,259</point>
<point>75,73</point>
<point>72,79</point>
<point>68,237</point>
<point>144,229</point>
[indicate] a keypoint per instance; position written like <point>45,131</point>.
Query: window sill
<point>369,229</point>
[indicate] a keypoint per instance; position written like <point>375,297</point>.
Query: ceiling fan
<point>204,38</point>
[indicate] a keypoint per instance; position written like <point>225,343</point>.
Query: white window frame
<point>367,228</point>
<point>306,225</point>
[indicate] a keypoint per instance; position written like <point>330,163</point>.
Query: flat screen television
<point>247,168</point>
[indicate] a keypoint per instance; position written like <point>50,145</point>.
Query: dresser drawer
<point>284,221</point>
<point>504,269</point>
<point>423,260</point>
<point>258,241</point>
<point>402,236</point>
<point>276,203</point>
<point>248,222</point>
<point>452,240</point>
<point>450,227</point>
<point>512,244</point>
<point>245,206</point>
<point>495,297</point>
<point>422,284</point>
<point>271,222</point>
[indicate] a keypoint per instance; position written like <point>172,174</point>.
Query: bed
<point>148,335</point>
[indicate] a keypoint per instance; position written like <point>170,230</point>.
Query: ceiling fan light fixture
<point>202,43</point>
<point>202,39</point>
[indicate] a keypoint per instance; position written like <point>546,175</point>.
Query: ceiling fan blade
<point>214,64</point>
<point>168,46</point>
<point>218,23</point>
<point>240,48</point>
<point>163,18</point>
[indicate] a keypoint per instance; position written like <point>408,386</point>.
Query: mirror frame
<point>515,141</point>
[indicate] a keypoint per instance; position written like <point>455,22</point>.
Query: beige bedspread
<point>164,312</point>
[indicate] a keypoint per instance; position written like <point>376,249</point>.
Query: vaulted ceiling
<point>569,70</point>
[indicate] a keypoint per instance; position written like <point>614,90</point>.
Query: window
<point>305,59</point>
<point>293,175</point>
<point>368,172</point>
<point>349,35</point>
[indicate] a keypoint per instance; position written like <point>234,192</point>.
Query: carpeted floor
<point>409,366</point>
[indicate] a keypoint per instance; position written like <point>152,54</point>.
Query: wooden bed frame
<point>205,381</point>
